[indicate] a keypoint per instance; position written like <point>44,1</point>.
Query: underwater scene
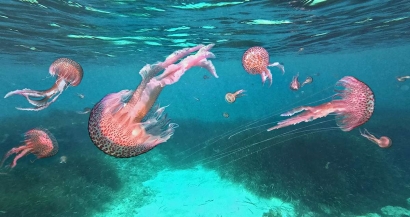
<point>259,108</point>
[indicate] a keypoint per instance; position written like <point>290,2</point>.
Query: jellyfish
<point>308,80</point>
<point>295,84</point>
<point>256,61</point>
<point>38,141</point>
<point>352,105</point>
<point>231,97</point>
<point>125,124</point>
<point>68,73</point>
<point>63,159</point>
<point>383,142</point>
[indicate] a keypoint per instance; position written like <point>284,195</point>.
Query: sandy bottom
<point>191,192</point>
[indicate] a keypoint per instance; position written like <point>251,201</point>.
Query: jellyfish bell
<point>385,142</point>
<point>68,70</point>
<point>68,73</point>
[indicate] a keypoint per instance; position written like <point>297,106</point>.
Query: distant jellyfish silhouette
<point>255,60</point>
<point>125,124</point>
<point>38,141</point>
<point>353,106</point>
<point>68,73</point>
<point>383,142</point>
<point>63,159</point>
<point>231,97</point>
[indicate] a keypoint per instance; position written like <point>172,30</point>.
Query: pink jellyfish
<point>68,72</point>
<point>124,124</point>
<point>38,141</point>
<point>352,105</point>
<point>383,142</point>
<point>255,60</point>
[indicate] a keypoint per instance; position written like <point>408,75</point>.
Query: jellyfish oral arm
<point>309,114</point>
<point>239,93</point>
<point>53,93</point>
<point>280,66</point>
<point>179,54</point>
<point>20,151</point>
<point>150,88</point>
<point>266,75</point>
<point>173,72</point>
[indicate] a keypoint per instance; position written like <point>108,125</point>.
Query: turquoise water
<point>206,169</point>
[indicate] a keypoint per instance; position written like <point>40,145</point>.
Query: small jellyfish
<point>295,84</point>
<point>63,159</point>
<point>231,97</point>
<point>256,61</point>
<point>308,80</point>
<point>225,114</point>
<point>383,142</point>
<point>68,72</point>
<point>38,141</point>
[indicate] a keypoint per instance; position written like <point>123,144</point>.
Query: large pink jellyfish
<point>123,124</point>
<point>352,105</point>
<point>68,72</point>
<point>38,141</point>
